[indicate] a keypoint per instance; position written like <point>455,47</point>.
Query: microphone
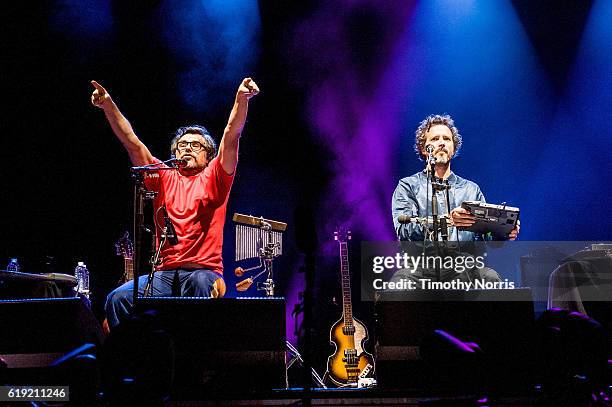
<point>169,228</point>
<point>404,219</point>
<point>430,157</point>
<point>177,162</point>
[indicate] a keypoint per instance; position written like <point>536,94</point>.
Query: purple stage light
<point>354,105</point>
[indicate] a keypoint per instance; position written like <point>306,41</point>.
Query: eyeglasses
<point>195,145</point>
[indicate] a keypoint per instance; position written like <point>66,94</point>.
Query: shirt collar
<point>452,178</point>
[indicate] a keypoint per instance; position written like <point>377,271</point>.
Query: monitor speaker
<point>217,344</point>
<point>36,332</point>
<point>500,322</point>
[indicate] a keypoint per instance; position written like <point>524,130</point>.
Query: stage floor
<point>359,397</point>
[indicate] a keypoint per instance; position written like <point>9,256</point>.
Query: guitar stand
<point>293,357</point>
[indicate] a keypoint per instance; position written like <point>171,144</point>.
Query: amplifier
<point>38,331</point>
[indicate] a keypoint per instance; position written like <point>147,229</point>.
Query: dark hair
<point>432,120</point>
<point>209,144</point>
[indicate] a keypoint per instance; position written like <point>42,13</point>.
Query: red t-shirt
<point>196,206</point>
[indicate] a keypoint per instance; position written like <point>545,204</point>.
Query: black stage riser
<point>222,344</point>
<point>504,329</point>
<point>41,329</point>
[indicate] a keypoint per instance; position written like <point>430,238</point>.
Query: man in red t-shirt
<point>195,198</point>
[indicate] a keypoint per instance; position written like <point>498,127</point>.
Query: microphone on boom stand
<point>176,162</point>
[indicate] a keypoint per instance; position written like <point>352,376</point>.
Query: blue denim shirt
<point>412,197</point>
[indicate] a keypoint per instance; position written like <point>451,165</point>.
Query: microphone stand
<point>140,194</point>
<point>439,226</point>
<point>431,170</point>
<point>139,197</point>
<point>434,198</point>
<point>154,262</point>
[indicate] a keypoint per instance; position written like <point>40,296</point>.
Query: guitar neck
<point>128,266</point>
<point>346,285</point>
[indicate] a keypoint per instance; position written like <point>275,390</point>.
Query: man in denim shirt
<point>412,197</point>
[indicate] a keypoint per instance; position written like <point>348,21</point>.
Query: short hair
<point>425,126</point>
<point>209,143</point>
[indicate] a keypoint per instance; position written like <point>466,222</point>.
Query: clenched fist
<point>248,88</point>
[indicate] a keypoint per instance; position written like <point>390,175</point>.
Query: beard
<point>442,158</point>
<point>192,166</point>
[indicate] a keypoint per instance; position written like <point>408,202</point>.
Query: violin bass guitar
<point>350,362</point>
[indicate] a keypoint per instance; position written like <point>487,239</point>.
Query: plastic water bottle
<point>13,265</point>
<point>82,275</point>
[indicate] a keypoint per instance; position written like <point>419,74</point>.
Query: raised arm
<point>228,148</point>
<point>138,152</point>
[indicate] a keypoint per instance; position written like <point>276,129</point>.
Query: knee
<point>488,274</point>
<point>201,279</point>
<point>118,296</point>
<point>218,289</point>
<point>404,274</point>
<point>206,283</point>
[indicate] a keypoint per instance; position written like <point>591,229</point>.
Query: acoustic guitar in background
<point>124,248</point>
